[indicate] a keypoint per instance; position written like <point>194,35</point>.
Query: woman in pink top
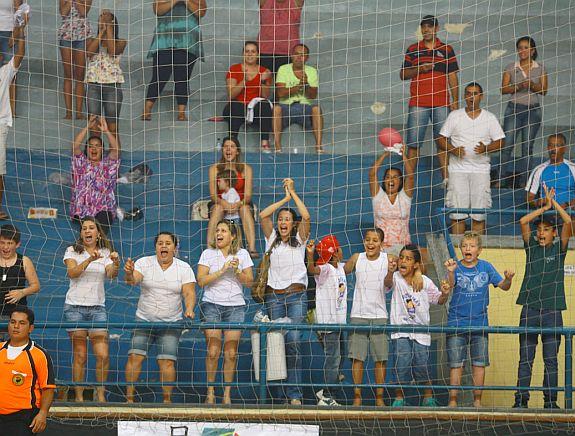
<point>279,31</point>
<point>392,201</point>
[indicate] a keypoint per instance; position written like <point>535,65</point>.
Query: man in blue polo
<point>557,173</point>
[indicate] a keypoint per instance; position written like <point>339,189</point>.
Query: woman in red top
<point>248,86</point>
<point>232,160</point>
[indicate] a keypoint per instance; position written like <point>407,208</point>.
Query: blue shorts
<point>167,341</point>
<point>74,313</point>
<point>459,344</point>
<point>296,113</point>
<point>6,51</point>
<point>75,45</point>
<point>211,312</point>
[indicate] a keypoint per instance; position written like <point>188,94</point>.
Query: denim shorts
<point>211,312</point>
<point>6,51</point>
<point>459,344</point>
<point>296,113</point>
<point>75,45</point>
<point>75,313</point>
<point>167,341</point>
<point>105,99</point>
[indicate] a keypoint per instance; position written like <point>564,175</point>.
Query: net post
<point>569,370</point>
<point>263,362</point>
<point>442,218</point>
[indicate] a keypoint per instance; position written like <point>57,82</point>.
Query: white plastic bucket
<point>276,368</point>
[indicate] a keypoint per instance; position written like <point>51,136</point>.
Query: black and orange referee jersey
<point>22,379</point>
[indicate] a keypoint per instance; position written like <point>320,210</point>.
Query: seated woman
<point>232,160</point>
<point>94,175</point>
<point>392,202</point>
<point>248,86</point>
<point>104,75</point>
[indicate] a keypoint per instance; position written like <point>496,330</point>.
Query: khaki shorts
<point>361,342</point>
<point>468,190</point>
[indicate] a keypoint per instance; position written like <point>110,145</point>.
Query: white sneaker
<point>327,401</point>
<point>319,394</point>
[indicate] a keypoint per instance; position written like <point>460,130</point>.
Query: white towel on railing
<point>252,105</point>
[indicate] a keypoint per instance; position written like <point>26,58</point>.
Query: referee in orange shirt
<point>26,378</point>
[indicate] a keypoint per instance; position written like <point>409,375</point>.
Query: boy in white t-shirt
<point>470,134</point>
<point>7,73</point>
<point>331,307</point>
<point>409,307</point>
<point>226,179</point>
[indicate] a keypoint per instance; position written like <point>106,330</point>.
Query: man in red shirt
<point>432,67</point>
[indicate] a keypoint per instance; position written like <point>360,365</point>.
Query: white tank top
<point>6,15</point>
<point>369,293</point>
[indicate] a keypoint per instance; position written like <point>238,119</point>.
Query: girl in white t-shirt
<point>410,307</point>
<point>369,308</point>
<point>287,276</point>
<point>89,262</point>
<point>331,307</point>
<point>391,201</point>
<point>223,270</point>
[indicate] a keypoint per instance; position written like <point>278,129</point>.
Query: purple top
<point>94,185</point>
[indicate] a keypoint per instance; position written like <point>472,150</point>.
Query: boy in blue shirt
<point>470,278</point>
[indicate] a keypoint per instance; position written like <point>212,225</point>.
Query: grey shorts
<point>361,342</point>
<point>105,99</point>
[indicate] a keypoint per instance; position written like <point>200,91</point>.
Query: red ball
<point>388,137</point>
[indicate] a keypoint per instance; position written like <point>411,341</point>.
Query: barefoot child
<point>369,308</point>
<point>410,307</point>
<point>471,278</point>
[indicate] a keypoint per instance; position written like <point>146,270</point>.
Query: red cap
<point>326,249</point>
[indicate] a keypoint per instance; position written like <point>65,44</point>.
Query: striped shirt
<point>430,89</point>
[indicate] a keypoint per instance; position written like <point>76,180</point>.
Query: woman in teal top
<point>175,48</point>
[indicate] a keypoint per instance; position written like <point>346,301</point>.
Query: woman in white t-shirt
<point>287,276</point>
<point>163,281</point>
<point>391,201</point>
<point>223,270</point>
<point>89,262</point>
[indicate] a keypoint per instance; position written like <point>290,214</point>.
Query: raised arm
<point>525,220</point>
<point>65,6</point>
<point>312,268</point>
<point>373,180</point>
<point>409,172</point>
<point>83,7</point>
<point>305,223</point>
<point>20,41</point>
<point>505,284</point>
<point>114,46</point>
<point>267,214</point>
<point>161,7</point>
<point>567,228</point>
<point>114,144</point>
<point>197,7</point>
<point>81,136</point>
<point>113,268</point>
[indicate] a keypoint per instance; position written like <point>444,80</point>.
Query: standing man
<point>432,67</point>
<point>557,173</point>
<point>26,378</point>
<point>470,134</point>
<point>296,88</point>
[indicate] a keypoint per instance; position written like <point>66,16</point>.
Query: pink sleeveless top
<point>279,27</point>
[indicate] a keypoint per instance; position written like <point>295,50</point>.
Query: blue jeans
<point>524,121</point>
<point>294,306</point>
<point>418,119</point>
<point>528,345</point>
<point>411,361</point>
<point>332,347</point>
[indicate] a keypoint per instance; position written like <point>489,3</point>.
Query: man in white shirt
<point>7,73</point>
<point>469,135</point>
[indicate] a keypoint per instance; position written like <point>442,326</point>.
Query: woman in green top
<point>175,48</point>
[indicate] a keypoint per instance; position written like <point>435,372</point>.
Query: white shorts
<point>468,190</point>
<point>3,140</point>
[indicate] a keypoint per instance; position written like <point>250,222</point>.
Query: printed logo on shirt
<point>549,259</point>
<point>470,286</point>
<point>341,287</point>
<point>18,378</point>
<point>411,302</point>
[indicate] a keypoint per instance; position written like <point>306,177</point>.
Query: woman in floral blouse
<point>72,36</point>
<point>103,74</point>
<point>94,175</point>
